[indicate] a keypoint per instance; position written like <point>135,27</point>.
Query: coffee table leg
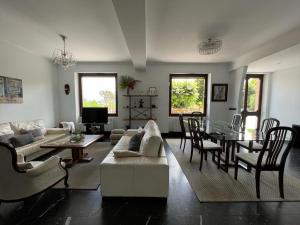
<point>79,156</point>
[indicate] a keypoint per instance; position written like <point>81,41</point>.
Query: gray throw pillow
<point>135,141</point>
<point>6,138</point>
<point>35,132</point>
<point>21,140</point>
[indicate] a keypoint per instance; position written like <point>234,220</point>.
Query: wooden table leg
<point>79,156</point>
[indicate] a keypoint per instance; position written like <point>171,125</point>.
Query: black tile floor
<point>78,207</point>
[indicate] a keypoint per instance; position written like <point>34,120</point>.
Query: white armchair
<point>18,183</point>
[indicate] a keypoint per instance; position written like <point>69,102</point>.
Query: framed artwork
<point>152,91</point>
<point>219,92</point>
<point>11,90</point>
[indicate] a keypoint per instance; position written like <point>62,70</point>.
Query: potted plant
<point>127,82</point>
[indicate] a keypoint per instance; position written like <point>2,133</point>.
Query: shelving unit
<point>137,113</point>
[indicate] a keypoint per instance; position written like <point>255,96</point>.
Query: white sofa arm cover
<point>57,130</point>
<point>50,163</point>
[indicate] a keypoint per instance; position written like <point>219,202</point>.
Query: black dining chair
<point>204,146</point>
<point>198,115</point>
<point>267,124</point>
<point>272,156</point>
<point>183,135</point>
<point>236,122</point>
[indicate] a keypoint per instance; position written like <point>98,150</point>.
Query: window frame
<point>81,75</point>
<point>188,75</point>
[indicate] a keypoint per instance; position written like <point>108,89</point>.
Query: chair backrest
<point>276,148</point>
<point>181,123</point>
<point>236,122</point>
<point>196,134</point>
<point>198,115</point>
<point>269,123</point>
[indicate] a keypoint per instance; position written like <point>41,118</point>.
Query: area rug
<point>86,175</point>
<point>215,185</point>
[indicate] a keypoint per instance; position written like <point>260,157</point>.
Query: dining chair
<point>183,135</point>
<point>236,122</point>
<point>204,146</point>
<point>198,115</point>
<point>272,156</point>
<point>267,124</point>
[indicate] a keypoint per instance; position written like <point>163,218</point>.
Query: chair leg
<point>257,180</point>
<point>281,172</point>
<point>181,138</point>
<point>205,155</point>
<point>219,159</point>
<point>201,161</point>
<point>192,150</point>
<point>238,148</point>
<point>66,181</point>
<point>184,141</point>
<point>236,167</point>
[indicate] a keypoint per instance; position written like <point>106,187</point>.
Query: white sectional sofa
<point>32,150</point>
<point>144,176</point>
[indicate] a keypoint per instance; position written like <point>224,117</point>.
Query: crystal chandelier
<point>210,46</point>
<point>63,57</point>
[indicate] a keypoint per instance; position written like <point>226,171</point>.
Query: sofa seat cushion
<point>35,146</point>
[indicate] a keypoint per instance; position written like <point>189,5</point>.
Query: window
<point>99,90</point>
<point>187,94</point>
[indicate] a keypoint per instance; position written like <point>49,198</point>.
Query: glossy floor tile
<point>74,207</point>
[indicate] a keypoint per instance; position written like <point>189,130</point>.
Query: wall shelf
<point>137,113</point>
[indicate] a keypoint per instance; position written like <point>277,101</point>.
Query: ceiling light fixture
<point>63,57</point>
<point>210,46</point>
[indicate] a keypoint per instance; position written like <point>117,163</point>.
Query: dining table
<point>228,136</point>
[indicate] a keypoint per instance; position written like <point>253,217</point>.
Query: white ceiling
<point>174,28</point>
<point>287,58</point>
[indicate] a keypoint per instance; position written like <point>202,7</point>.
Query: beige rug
<point>86,175</point>
<point>213,185</point>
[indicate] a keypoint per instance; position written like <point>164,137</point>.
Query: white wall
<point>39,79</point>
<point>284,96</point>
<point>157,75</point>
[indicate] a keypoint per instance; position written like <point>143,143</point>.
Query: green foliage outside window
<point>187,95</point>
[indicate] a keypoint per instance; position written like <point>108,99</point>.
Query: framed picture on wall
<point>11,90</point>
<point>219,92</point>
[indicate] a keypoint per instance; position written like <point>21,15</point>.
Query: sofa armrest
<point>57,131</point>
<point>131,132</point>
<point>51,163</point>
<point>20,158</point>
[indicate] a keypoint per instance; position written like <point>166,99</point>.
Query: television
<point>95,115</point>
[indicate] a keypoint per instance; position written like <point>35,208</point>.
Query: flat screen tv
<point>94,115</point>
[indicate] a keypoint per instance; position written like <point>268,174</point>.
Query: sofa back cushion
<point>152,143</point>
<point>28,125</point>
<point>5,129</point>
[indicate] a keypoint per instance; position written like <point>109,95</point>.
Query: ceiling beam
<point>280,43</point>
<point>132,19</point>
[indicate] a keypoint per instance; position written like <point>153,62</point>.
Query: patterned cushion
<point>252,158</point>
<point>246,144</point>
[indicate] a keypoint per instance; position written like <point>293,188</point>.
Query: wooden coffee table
<point>77,147</point>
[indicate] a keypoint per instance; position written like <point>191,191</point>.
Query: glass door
<point>252,98</point>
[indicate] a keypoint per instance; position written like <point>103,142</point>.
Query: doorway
<point>252,100</point>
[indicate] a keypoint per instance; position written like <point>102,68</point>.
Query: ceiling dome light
<point>210,46</point>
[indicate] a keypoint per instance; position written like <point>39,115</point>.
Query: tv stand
<point>94,128</point>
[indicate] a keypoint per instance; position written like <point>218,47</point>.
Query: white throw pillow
<point>122,154</point>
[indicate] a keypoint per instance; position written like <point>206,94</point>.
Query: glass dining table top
<point>224,131</point>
